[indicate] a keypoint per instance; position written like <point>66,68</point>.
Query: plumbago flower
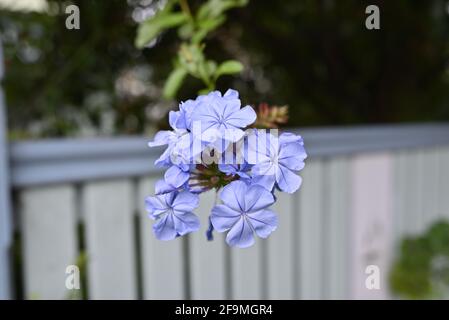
<point>174,212</point>
<point>244,212</point>
<point>213,146</point>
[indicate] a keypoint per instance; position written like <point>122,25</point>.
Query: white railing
<point>363,188</point>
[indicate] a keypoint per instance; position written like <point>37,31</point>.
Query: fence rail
<point>363,188</point>
<point>71,160</point>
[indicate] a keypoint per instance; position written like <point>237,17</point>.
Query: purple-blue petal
<point>287,180</point>
<point>233,195</point>
<point>161,138</point>
<point>164,229</point>
<point>264,222</point>
<point>185,222</point>
<point>242,118</point>
<point>257,198</point>
<point>185,201</point>
<point>175,176</point>
<point>162,187</point>
<point>241,234</point>
<point>223,217</point>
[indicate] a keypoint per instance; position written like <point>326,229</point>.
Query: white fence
<point>363,187</point>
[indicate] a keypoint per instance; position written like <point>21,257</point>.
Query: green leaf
<point>207,25</point>
<point>185,31</point>
<point>214,8</point>
<point>151,28</point>
<point>174,82</point>
<point>228,67</point>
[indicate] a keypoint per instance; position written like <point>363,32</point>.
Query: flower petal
<point>231,94</point>
<point>233,134</point>
<point>264,222</point>
<point>162,187</point>
<point>228,168</point>
<point>185,201</point>
<point>242,118</point>
<point>241,235</point>
<point>161,138</point>
<point>288,137</point>
<point>266,181</point>
<point>164,229</point>
<point>155,206</point>
<point>257,198</point>
<point>287,180</point>
<point>223,217</point>
<point>292,156</point>
<point>233,195</point>
<point>173,117</point>
<point>175,176</point>
<point>185,222</point>
<point>164,159</point>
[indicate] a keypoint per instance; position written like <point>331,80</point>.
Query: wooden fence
<point>363,188</point>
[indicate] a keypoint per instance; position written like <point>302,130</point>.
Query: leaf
<point>151,28</point>
<point>185,31</point>
<point>174,82</point>
<point>207,25</point>
<point>228,67</point>
<point>214,8</point>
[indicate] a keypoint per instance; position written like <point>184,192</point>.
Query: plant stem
<point>185,8</point>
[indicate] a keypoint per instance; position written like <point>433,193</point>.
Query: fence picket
<point>207,258</point>
<point>336,228</point>
<point>108,212</point>
<point>163,263</point>
<point>430,169</point>
<point>414,199</point>
<point>280,250</point>
<point>246,271</point>
<point>444,183</point>
<point>400,196</point>
<point>310,231</point>
<point>371,222</point>
<point>49,240</point>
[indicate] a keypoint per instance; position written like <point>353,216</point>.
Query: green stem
<point>185,8</point>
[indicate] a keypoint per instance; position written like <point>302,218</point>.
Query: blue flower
<point>182,119</point>
<point>221,119</point>
<point>178,141</point>
<point>243,213</point>
<point>242,170</point>
<point>177,175</point>
<point>162,187</point>
<point>279,162</point>
<point>173,211</point>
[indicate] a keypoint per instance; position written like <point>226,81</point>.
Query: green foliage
<point>162,20</point>
<point>228,67</point>
<point>421,270</point>
<point>192,30</point>
<point>174,81</point>
<point>315,56</point>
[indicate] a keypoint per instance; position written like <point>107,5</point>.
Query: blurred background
<point>372,105</point>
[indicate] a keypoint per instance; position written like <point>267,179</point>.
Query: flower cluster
<point>213,146</point>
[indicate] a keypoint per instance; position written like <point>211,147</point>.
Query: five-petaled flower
<point>278,163</point>
<point>243,213</point>
<point>173,211</point>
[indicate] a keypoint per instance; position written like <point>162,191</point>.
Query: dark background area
<point>314,55</point>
